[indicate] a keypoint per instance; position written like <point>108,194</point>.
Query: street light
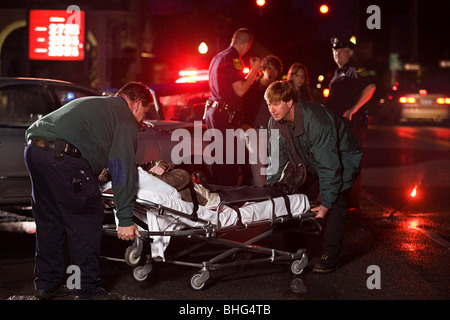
<point>203,48</point>
<point>324,9</point>
<point>260,3</point>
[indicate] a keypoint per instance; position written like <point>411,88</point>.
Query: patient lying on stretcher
<point>173,188</point>
<point>210,195</point>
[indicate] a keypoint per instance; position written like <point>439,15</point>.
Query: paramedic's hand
<point>321,212</point>
<point>128,233</point>
<point>159,170</point>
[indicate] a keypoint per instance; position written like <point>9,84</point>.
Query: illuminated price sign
<point>56,35</point>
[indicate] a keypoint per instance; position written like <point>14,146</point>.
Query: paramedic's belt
<point>58,146</point>
<point>222,107</point>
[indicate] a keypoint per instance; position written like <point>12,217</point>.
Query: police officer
<point>351,86</point>
<point>228,86</point>
<point>66,151</point>
<point>350,89</point>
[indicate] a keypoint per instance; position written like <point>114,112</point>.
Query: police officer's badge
<point>238,64</point>
<point>362,72</point>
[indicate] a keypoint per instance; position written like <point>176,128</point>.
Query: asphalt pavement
<point>383,258</point>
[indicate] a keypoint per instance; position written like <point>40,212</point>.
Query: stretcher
<point>160,216</point>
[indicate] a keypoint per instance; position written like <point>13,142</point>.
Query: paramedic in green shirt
<point>329,150</point>
<point>66,151</point>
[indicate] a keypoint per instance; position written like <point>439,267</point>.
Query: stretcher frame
<point>209,234</point>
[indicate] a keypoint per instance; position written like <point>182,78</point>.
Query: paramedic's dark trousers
<point>333,233</point>
<point>64,209</point>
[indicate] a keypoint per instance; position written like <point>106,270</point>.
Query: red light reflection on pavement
<point>413,240</point>
<point>440,136</point>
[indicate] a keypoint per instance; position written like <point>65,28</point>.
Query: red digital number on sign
<point>56,35</point>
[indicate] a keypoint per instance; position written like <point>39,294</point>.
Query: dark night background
<point>293,30</point>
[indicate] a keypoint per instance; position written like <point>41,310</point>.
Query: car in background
<point>176,101</point>
<point>415,102</point>
<point>181,101</point>
<point>24,100</point>
<point>175,106</point>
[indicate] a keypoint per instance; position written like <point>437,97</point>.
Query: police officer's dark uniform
<point>345,89</point>
<point>223,108</point>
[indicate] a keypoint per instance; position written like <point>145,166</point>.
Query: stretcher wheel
<point>130,258</point>
<point>140,273</point>
<point>196,282</point>
<point>296,267</point>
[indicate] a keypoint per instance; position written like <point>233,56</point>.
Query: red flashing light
<point>260,3</point>
<point>187,73</point>
<point>326,92</point>
<point>324,9</point>
<point>246,70</point>
<point>203,48</point>
<point>192,76</point>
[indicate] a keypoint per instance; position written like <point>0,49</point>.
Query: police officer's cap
<point>337,43</point>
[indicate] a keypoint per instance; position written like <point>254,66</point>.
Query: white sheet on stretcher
<point>154,190</point>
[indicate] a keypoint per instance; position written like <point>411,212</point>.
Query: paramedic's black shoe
<point>288,177</point>
<point>325,265</point>
<point>100,294</point>
<point>301,173</point>
<point>293,176</point>
<point>48,295</point>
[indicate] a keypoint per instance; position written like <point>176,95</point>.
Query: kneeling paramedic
<point>66,151</point>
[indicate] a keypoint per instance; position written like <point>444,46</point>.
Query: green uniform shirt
<point>326,146</point>
<point>106,132</point>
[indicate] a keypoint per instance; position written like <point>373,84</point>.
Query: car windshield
<point>19,104</point>
<point>182,102</point>
<point>184,107</point>
<point>66,95</point>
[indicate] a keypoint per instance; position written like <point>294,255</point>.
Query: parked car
<point>415,102</point>
<point>24,100</point>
